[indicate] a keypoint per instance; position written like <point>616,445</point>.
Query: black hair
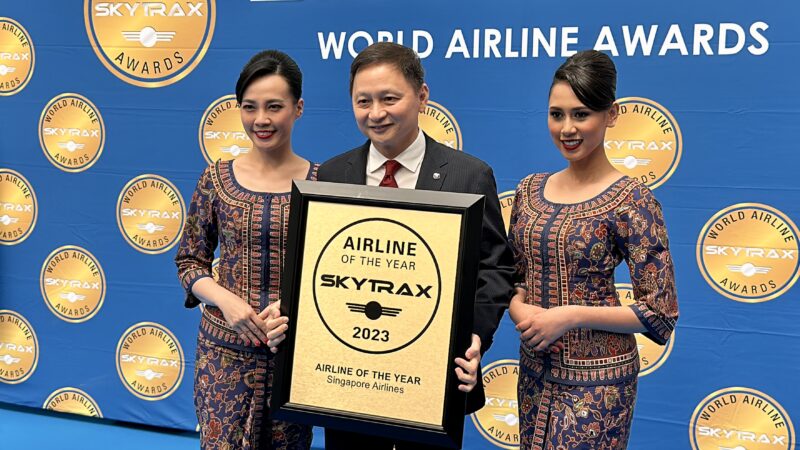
<point>270,62</point>
<point>403,58</point>
<point>592,76</point>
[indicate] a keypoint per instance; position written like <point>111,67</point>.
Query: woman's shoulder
<point>637,190</point>
<point>533,181</point>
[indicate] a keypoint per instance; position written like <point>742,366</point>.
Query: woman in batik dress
<point>569,230</point>
<point>242,206</point>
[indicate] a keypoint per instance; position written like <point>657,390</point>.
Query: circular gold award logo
<point>506,204</point>
<point>150,44</point>
<point>440,124</point>
<point>498,421</point>
<point>17,57</point>
<point>651,355</point>
<point>150,361</point>
<point>19,348</point>
<point>150,214</point>
<point>748,252</point>
<point>18,207</point>
<point>739,418</point>
<point>222,135</point>
<point>71,132</point>
<point>73,401</point>
<point>646,142</point>
<point>373,309</point>
<point>73,284</point>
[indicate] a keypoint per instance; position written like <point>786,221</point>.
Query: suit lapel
<point>356,172</point>
<point>433,170</point>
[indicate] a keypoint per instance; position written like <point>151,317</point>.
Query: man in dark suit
<point>388,93</point>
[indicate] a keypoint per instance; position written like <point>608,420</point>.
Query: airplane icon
<point>629,161</point>
<point>72,297</point>
<point>5,219</point>
<point>509,419</point>
<point>4,69</point>
<point>9,360</point>
<point>150,227</point>
<point>373,310</point>
<point>149,374</point>
<point>148,36</point>
<point>235,150</point>
<point>748,269</point>
<point>70,146</point>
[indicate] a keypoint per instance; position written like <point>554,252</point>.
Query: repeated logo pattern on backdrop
<point>106,125</point>
<point>17,57</point>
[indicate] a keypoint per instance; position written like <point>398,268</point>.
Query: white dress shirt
<point>410,161</point>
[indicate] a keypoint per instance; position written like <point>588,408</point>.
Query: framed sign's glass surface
<point>375,291</point>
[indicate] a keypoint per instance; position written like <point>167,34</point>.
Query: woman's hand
<point>523,315</point>
<point>543,328</point>
<point>241,317</point>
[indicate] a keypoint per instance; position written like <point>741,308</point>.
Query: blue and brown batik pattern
<point>233,379</point>
<point>231,391</point>
<point>555,416</point>
<point>565,254</point>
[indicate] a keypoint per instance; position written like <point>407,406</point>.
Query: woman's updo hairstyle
<point>270,62</point>
<point>592,76</point>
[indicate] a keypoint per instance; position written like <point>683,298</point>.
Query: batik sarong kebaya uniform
<point>233,381</point>
<point>565,254</point>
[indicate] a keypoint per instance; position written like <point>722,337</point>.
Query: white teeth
<point>571,143</point>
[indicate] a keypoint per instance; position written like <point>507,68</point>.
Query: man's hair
<point>402,58</point>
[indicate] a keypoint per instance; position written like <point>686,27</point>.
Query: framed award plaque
<point>379,287</point>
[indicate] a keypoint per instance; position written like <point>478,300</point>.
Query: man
<point>388,93</point>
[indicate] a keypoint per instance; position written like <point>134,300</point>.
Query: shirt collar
<point>410,158</point>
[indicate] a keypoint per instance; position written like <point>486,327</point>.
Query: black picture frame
<point>470,208</point>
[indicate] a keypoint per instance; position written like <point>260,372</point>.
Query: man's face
<point>387,106</point>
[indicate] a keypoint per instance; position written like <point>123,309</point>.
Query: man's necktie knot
<point>391,167</point>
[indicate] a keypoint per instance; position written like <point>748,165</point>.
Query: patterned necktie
<point>388,179</point>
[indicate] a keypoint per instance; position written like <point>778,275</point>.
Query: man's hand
<point>275,324</point>
<point>467,370</point>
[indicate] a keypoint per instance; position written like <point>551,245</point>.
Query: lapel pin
<point>436,176</point>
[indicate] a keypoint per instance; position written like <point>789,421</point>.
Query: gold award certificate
<point>375,311</point>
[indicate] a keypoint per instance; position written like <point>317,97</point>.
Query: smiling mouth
<point>571,144</point>
<point>264,134</point>
<point>380,128</point>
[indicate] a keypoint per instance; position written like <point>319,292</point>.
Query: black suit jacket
<point>458,172</point>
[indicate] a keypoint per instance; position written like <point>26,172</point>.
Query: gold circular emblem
<point>150,44</point>
<point>222,135</point>
<point>73,401</point>
<point>498,421</point>
<point>18,207</point>
<point>440,124</point>
<point>17,57</point>
<point>150,361</point>
<point>19,348</point>
<point>71,132</point>
<point>748,252</point>
<point>150,214</point>
<point>73,284</point>
<point>646,142</point>
<point>739,418</point>
<point>506,204</point>
<point>373,309</point>
<point>651,355</point>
